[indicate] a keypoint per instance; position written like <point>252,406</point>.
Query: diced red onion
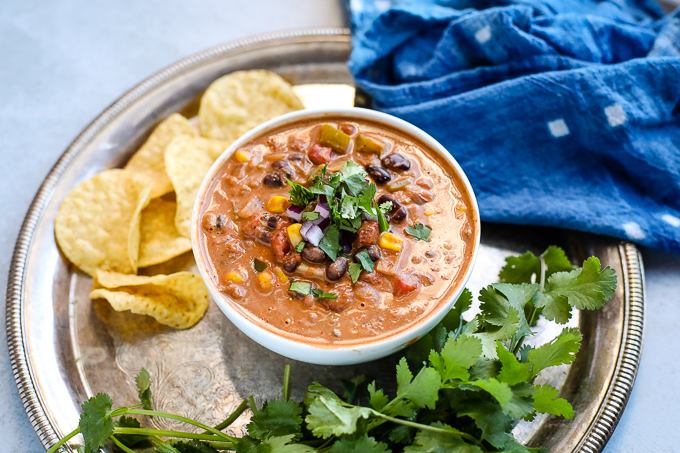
<point>323,210</point>
<point>314,235</point>
<point>323,199</point>
<point>322,223</point>
<point>305,228</point>
<point>294,212</point>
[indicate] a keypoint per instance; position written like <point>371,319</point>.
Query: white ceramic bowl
<point>298,350</point>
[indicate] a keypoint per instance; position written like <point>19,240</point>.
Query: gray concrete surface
<point>63,62</point>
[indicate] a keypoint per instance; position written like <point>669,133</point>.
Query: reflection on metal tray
<point>65,348</point>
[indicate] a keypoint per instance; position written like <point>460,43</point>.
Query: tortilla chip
<point>97,226</point>
<point>178,300</point>
<point>187,161</point>
<point>160,239</point>
<point>237,102</point>
<point>149,158</point>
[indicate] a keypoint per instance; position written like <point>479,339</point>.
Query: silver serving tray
<point>64,348</point>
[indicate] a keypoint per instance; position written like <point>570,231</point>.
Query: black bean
<point>374,253</point>
<point>396,162</point>
<point>295,157</point>
<point>346,239</point>
<point>291,261</point>
<point>264,236</point>
<point>313,254</point>
<point>379,174</point>
<point>273,180</point>
<point>399,215</point>
<point>336,270</point>
<point>398,211</point>
<point>273,221</point>
<point>283,167</point>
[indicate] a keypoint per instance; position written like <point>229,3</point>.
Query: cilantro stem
<point>182,419</point>
<point>68,437</point>
<point>253,404</point>
<point>234,415</point>
<point>286,381</point>
<point>534,310</point>
<point>222,445</point>
<point>451,431</point>
<point>543,269</point>
<point>163,432</point>
<point>120,445</point>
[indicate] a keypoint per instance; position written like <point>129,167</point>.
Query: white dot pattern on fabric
<point>633,230</point>
<point>558,128</point>
<point>615,115</point>
<point>483,34</point>
<point>671,219</point>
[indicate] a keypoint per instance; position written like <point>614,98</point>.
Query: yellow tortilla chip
<point>149,158</point>
<point>187,161</point>
<point>160,239</point>
<point>178,300</point>
<point>97,226</point>
<point>237,102</point>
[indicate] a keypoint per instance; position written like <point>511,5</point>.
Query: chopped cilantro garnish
<point>349,209</point>
<point>322,295</point>
<point>354,271</point>
<point>386,207</point>
<point>419,231</point>
<point>331,242</point>
<point>313,215</point>
<point>300,247</point>
<point>259,265</point>
<point>366,197</point>
<point>299,194</point>
<point>366,261</point>
<point>300,288</point>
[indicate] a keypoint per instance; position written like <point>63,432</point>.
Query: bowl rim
<point>316,353</point>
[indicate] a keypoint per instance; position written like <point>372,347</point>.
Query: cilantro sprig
<point>461,387</point>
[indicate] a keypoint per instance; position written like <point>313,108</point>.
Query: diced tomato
<point>320,154</point>
<point>405,283</point>
<point>280,242</point>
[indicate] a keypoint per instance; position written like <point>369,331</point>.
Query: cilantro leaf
<point>378,400</point>
<point>365,199</point>
<point>520,269</point>
<point>328,416</point>
<point>419,231</point>
<point>354,271</point>
<point>499,390</point>
<point>518,296</point>
<point>276,418</point>
<point>494,424</point>
<point>366,261</point>
<point>312,215</point>
<point>560,350</point>
<point>143,381</point>
<point>349,208</point>
<point>506,331</point>
<point>351,168</point>
<point>556,261</point>
<point>303,288</point>
<point>331,242</point>
<point>456,357</point>
<point>299,195</point>
<point>323,189</point>
<point>513,372</point>
<point>323,295</point>
<point>280,444</point>
<point>363,444</point>
<point>423,391</point>
<point>433,441</point>
<point>383,224</point>
<point>587,288</point>
<point>95,421</point>
<point>300,247</point>
<point>386,207</point>
<point>356,184</point>
<point>547,402</point>
<point>351,386</point>
<point>129,439</point>
<point>521,405</point>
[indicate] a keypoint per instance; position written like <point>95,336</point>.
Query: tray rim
<point>597,434</point>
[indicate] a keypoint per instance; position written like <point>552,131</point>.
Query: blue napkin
<point>561,112</point>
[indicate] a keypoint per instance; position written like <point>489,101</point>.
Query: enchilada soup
<point>336,232</point>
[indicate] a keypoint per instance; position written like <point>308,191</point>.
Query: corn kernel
<point>236,276</point>
<point>242,156</point>
<point>294,233</point>
<point>266,278</point>
<point>462,209</point>
<point>277,204</point>
<point>430,213</point>
<point>280,275</point>
<point>390,242</point>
